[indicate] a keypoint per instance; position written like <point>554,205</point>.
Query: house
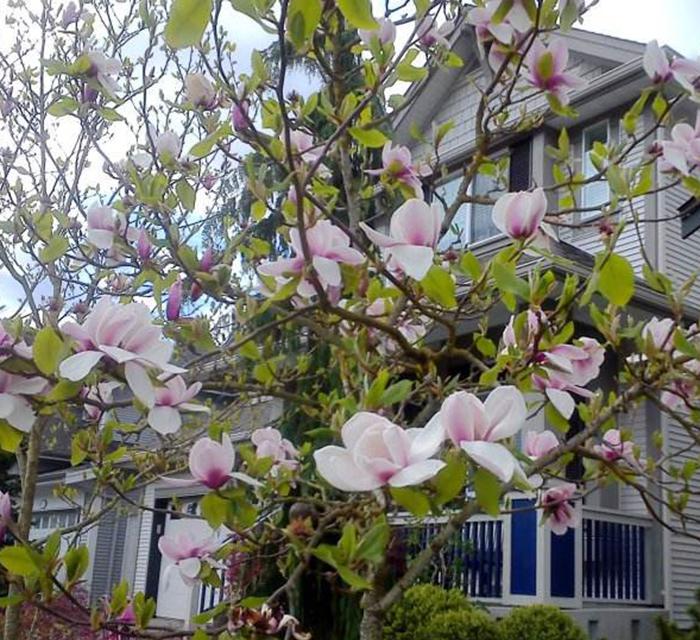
<point>123,543</point>
<point>621,568</point>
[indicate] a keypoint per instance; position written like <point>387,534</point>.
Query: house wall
<point>679,258</point>
<point>683,550</point>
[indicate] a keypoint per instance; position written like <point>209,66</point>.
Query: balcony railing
<point>615,549</point>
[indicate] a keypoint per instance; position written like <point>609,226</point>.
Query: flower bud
<point>207,261</point>
<point>239,116</point>
<point>143,246</point>
<point>172,310</point>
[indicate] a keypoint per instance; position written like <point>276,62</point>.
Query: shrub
<point>462,624</point>
<point>407,619</point>
<point>540,622</point>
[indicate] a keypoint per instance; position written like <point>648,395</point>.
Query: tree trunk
<point>28,477</point>
<point>371,624</point>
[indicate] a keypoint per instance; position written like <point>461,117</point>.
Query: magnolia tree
<point>187,233</point>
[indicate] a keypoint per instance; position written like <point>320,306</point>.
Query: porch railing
<point>615,548</point>
<point>472,561</point>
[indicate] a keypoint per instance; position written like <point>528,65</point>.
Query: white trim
<point>591,215</point>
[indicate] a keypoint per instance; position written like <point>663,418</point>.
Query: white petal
<point>140,383</point>
<point>164,419</point>
<point>328,270</point>
<point>491,456</point>
<point>414,261</point>
<point>427,441</point>
<point>416,473</point>
<point>78,366</point>
<point>337,467</point>
<point>562,401</point>
<point>189,567</point>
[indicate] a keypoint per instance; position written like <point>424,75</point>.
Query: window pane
<point>482,223</point>
<point>596,193</point>
<point>457,232</point>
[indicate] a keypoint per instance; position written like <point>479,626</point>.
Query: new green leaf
<point>187,22</point>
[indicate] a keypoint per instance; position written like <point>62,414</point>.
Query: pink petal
<point>338,468</point>
<point>140,383</point>
<point>416,473</point>
<point>506,412</point>
<point>164,420</point>
<point>78,366</point>
<point>493,457</point>
<point>414,261</point>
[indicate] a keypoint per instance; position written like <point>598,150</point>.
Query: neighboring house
<point>620,569</point>
<point>123,542</point>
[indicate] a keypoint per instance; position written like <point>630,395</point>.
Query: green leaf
<point>439,286</point>
<point>355,580</point>
<point>8,601</point>
<point>358,13</point>
<point>215,509</point>
<point>450,481</point>
<point>203,147</point>
<point>186,23</point>
<point>372,545</point>
<point>616,281</point>
<point>64,390</point>
<point>185,194</point>
<point>372,138</point>
<point>77,561</point>
<point>508,282</point>
<point>18,560</point>
<point>47,350</point>
<point>54,249</point>
<point>303,17</point>
<point>488,492</point>
<point>396,393</point>
<point>412,500</point>
<point>63,107</point>
<point>469,264</point>
<point>9,437</point>
<point>406,72</point>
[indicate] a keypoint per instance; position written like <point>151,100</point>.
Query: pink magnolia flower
<point>683,390</point>
<point>613,448</point>
<point>269,443</point>
<point>329,247</point>
<point>172,309</point>
<point>378,452</point>
<point>14,408</point>
<point>384,34</point>
<point>104,224</point>
<point>211,464</point>
<point>187,553</point>
<point>165,403</point>
<point>429,34</point>
<point>486,29</point>
<point>71,14</point>
<point>101,393</point>
<point>520,215</point>
<point>659,332</point>
<point>302,144</point>
<point>200,91</point>
<point>660,70</point>
<point>10,347</point>
<point>126,617</point>
<point>102,69</point>
<point>546,69</point>
<point>239,115</point>
<point>476,427</point>
<point>266,621</point>
<point>540,443</point>
<point>397,165</point>
<point>414,232</point>
<point>143,246</point>
<point>534,328</point>
<point>569,369</point>
<point>557,509</point>
<point>683,149</point>
<point>123,333</point>
<point>5,514</point>
<point>168,142</point>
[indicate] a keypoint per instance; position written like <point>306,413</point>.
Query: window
<point>472,222</point>
<point>594,194</point>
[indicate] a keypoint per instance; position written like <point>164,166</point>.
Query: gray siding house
<point>620,569</point>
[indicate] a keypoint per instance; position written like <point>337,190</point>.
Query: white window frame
<point>589,215</point>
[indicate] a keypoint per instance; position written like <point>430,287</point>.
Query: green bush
<point>462,624</point>
<point>407,619</point>
<point>539,622</point>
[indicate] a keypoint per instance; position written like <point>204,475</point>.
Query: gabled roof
<point>607,51</point>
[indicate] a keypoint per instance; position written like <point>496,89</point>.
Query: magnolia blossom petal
<point>506,411</point>
<point>189,567</point>
<point>164,420</point>
<point>76,367</point>
<point>416,473</point>
<point>140,383</point>
<point>337,467</point>
<point>426,441</point>
<point>493,457</point>
<point>414,261</point>
<point>562,401</point>
<point>380,239</point>
<point>328,270</point>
